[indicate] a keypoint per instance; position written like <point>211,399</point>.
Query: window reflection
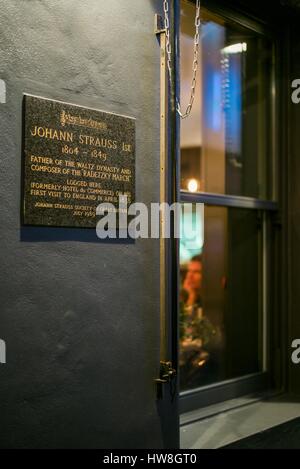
<point>226,142</point>
<point>220,299</point>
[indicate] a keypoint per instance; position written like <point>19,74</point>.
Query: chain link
<point>185,114</point>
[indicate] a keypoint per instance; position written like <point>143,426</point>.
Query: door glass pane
<point>220,299</point>
<point>226,141</point>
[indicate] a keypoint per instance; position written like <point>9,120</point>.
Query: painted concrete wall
<point>80,317</point>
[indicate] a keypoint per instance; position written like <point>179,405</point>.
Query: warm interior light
<point>235,48</point>
<point>193,185</point>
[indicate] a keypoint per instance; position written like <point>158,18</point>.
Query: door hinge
<point>159,25</point>
<point>166,374</point>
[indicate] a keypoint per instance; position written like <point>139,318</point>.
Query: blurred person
<point>196,331</point>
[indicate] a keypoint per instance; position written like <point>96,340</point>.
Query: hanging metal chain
<point>185,114</point>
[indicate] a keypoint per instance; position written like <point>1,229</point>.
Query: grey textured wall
<point>79,317</point>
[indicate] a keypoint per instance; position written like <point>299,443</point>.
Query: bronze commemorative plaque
<point>75,158</point>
